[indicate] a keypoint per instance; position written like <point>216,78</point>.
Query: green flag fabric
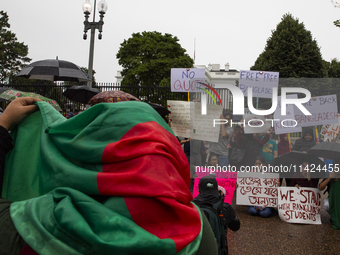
<point>111,180</point>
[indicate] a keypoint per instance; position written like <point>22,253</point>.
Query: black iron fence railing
<point>160,95</point>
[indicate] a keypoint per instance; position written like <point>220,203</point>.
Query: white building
<point>214,75</point>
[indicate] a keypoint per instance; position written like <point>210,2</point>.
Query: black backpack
<point>215,217</point>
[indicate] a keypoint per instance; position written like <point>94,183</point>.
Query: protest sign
<point>257,189</point>
<point>180,117</point>
<point>262,82</point>
<point>187,79</point>
<point>324,110</point>
<point>299,205</point>
<point>202,125</point>
<point>331,132</point>
<point>225,179</point>
<point>284,123</point>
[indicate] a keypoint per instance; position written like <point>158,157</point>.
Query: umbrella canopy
<point>54,70</point>
<point>11,94</point>
<point>81,94</point>
<point>160,109</point>
<point>330,150</point>
<point>294,159</point>
<point>111,97</point>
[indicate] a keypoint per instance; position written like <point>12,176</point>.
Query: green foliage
<point>12,53</point>
<point>337,23</point>
<point>333,68</point>
<point>337,5</point>
<point>148,57</point>
<point>292,51</point>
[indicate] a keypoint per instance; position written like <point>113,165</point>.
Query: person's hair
<point>226,112</point>
<point>166,119</point>
<point>211,155</point>
<point>261,158</point>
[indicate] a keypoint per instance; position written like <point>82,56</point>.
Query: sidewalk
<point>272,236</point>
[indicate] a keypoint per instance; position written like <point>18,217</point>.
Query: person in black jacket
<point>306,141</point>
<point>209,195</point>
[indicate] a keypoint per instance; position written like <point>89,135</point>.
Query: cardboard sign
<point>180,117</point>
<point>187,79</point>
<point>228,182</point>
<point>324,110</point>
<point>331,132</point>
<point>257,189</point>
<point>262,82</point>
<point>202,126</point>
<point>284,123</point>
<point>299,205</point>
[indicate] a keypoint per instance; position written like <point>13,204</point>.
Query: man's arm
<point>15,112</point>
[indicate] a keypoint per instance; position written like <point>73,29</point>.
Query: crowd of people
<point>105,184</point>
<point>236,148</point>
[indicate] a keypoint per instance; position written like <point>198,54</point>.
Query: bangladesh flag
<point>111,180</point>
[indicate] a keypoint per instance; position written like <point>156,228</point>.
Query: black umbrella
<point>289,164</point>
<point>160,109</point>
<point>54,70</point>
<point>330,150</point>
<point>81,94</point>
<point>297,158</point>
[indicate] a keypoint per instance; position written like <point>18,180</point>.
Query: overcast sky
<point>225,31</point>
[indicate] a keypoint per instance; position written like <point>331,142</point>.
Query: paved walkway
<point>259,235</point>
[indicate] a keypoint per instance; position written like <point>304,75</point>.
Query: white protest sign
<point>262,82</point>
<point>179,117</point>
<point>187,79</point>
<point>257,189</point>
<point>331,131</point>
<point>203,125</point>
<point>324,110</point>
<point>284,123</point>
<point>299,205</point>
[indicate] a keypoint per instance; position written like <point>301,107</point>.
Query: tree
<point>333,68</point>
<point>12,53</point>
<point>337,5</point>
<point>148,57</point>
<point>292,51</point>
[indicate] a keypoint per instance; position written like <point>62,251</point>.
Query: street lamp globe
<point>102,6</point>
<point>87,7</point>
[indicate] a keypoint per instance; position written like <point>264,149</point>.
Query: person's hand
<point>290,146</point>
<point>298,186</point>
<point>17,110</point>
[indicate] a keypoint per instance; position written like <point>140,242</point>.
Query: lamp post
<point>87,8</point>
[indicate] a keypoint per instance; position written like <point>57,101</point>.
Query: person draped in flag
<point>112,180</point>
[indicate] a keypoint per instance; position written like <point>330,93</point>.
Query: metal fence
<point>150,94</point>
<point>160,95</point>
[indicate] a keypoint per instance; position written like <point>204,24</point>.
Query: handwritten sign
<point>202,127</point>
<point>284,123</point>
<point>228,182</point>
<point>257,189</point>
<point>301,205</point>
<point>187,79</point>
<point>331,132</point>
<point>180,117</point>
<point>262,82</point>
<point>324,110</point>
